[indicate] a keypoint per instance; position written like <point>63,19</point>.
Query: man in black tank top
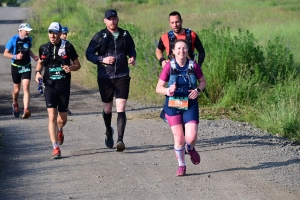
<point>58,58</point>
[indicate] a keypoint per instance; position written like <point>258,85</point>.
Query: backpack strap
<point>172,39</point>
<point>191,65</point>
<point>188,38</point>
<point>172,64</point>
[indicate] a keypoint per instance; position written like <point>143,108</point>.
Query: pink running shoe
<point>195,157</point>
<point>56,154</point>
<point>181,171</point>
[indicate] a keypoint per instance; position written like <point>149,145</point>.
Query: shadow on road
<point>261,166</point>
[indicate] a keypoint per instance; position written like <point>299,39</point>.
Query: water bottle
<point>40,86</point>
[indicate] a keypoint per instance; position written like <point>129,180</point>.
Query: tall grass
<point>244,67</point>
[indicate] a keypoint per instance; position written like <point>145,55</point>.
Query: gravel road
<point>238,161</point>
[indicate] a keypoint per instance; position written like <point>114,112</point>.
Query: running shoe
<point>56,154</point>
<point>26,114</point>
<point>181,171</point>
<point>195,157</point>
<point>15,108</point>
<point>109,139</point>
<point>120,146</point>
<point>60,137</point>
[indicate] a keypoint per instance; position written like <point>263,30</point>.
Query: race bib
<point>179,102</point>
<point>23,68</point>
<point>57,73</point>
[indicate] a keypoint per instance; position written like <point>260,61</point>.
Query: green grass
<point>252,52</point>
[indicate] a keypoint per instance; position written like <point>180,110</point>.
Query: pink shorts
<point>177,119</point>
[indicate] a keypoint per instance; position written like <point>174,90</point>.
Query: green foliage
<point>278,109</point>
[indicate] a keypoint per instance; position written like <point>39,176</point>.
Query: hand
<point>19,56</point>
<point>171,89</point>
<point>109,60</point>
<point>35,58</point>
<point>38,76</point>
<point>131,61</point>
<point>193,94</point>
<point>163,64</point>
<point>67,68</point>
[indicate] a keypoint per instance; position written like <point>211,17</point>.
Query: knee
<point>26,89</point>
<point>62,121</point>
<point>107,109</point>
<point>179,139</point>
<point>52,118</point>
<point>16,90</point>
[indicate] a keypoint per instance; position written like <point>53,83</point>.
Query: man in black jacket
<point>109,49</point>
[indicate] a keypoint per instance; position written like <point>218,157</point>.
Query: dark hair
<point>174,13</point>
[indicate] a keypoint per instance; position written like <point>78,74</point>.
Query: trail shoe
<point>109,139</point>
<point>15,108</point>
<point>195,157</point>
<point>120,146</point>
<point>26,114</point>
<point>60,137</point>
<point>56,154</point>
<point>181,171</point>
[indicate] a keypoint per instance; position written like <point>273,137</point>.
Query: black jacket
<point>103,45</point>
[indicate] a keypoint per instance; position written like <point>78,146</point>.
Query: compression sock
<point>180,156</point>
<point>121,123</point>
<point>189,146</point>
<point>107,122</point>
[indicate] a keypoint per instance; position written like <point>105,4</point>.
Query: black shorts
<point>57,96</point>
<point>18,77</point>
<point>110,88</point>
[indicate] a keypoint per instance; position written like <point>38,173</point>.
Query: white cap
<point>25,27</point>
<point>55,27</point>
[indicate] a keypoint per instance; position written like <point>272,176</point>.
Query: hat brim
<point>54,31</point>
<point>26,29</point>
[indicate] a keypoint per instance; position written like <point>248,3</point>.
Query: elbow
<point>157,90</point>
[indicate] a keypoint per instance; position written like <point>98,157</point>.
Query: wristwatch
<point>198,89</point>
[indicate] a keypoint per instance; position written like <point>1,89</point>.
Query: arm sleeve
<point>201,53</point>
<point>72,52</point>
<point>9,45</point>
<point>198,71</point>
<point>165,73</point>
<point>161,45</point>
<point>131,48</point>
<point>91,50</point>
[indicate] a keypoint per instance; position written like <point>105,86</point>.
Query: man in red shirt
<point>167,40</point>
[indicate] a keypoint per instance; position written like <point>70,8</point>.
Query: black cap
<point>110,13</point>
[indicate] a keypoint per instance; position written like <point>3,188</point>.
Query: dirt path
<point>238,161</point>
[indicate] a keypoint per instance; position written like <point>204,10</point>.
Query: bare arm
<point>36,58</point>
<point>73,67</point>
<point>7,54</point>
<point>202,83</point>
<point>161,89</point>
<point>38,71</point>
